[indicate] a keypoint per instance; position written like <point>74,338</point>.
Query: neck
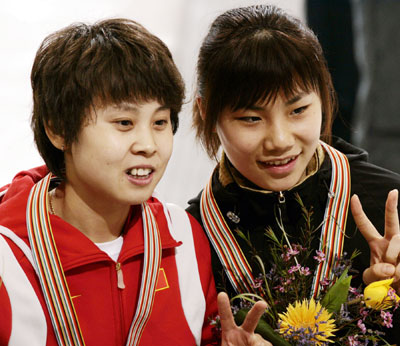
<point>99,222</point>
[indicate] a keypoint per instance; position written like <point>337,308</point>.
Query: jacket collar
<point>74,248</point>
<point>229,174</point>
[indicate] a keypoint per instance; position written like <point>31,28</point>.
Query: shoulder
<point>364,174</point>
<point>194,207</point>
<point>179,220</point>
<point>14,197</point>
<point>370,182</point>
<point>183,219</point>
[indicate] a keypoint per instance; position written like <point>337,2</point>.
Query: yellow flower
<point>308,315</point>
<point>376,295</point>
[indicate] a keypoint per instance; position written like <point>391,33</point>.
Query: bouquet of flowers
<point>339,314</point>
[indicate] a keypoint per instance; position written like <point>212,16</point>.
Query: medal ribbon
<point>230,254</point>
<point>54,284</point>
<point>332,234</point>
<point>225,245</point>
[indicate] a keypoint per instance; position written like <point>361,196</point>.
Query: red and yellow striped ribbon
<point>151,267</point>
<point>54,284</point>
<point>228,250</point>
<point>335,218</point>
<point>51,275</point>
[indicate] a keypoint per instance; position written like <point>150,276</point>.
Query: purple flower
<point>289,253</point>
<point>305,271</point>
<point>364,313</point>
<point>325,282</point>
<point>352,341</point>
<point>387,319</point>
<point>287,282</point>
<point>294,269</point>
<point>258,281</point>
<point>299,248</point>
<point>216,324</point>
<point>320,257</point>
<point>393,296</point>
<point>355,292</point>
<point>362,326</point>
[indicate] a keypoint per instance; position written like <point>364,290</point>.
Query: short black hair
<point>108,62</point>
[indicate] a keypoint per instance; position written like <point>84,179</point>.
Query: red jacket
<point>105,311</point>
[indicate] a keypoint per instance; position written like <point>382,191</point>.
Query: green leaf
<point>337,294</point>
<point>263,328</point>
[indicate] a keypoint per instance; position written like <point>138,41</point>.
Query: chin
<point>282,185</point>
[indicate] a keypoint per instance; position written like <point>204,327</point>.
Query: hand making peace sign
<point>385,250</point>
<point>243,335</point>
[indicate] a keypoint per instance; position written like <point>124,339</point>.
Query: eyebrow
<point>295,98</point>
<point>289,102</point>
<point>132,108</point>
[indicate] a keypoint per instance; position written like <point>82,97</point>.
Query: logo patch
<point>162,282</point>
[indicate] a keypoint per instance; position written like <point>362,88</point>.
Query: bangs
<point>115,74</point>
<point>259,70</point>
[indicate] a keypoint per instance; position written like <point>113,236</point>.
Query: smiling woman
<point>264,94</point>
<point>271,145</point>
<point>105,259</point>
<point>105,169</point>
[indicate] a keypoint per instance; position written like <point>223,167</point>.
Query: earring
<point>62,148</point>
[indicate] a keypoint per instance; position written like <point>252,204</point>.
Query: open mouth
<point>278,163</point>
<point>140,173</point>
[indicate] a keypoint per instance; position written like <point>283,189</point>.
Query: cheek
<point>98,149</point>
<point>165,146</point>
<point>237,146</point>
<point>238,142</point>
<point>312,129</point>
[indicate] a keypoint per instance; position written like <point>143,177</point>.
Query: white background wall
<point>181,24</point>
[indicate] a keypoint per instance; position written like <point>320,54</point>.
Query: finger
<point>391,215</point>
<point>379,271</point>
<point>396,279</point>
<point>225,312</point>
<point>253,316</point>
<point>257,340</point>
<point>393,250</point>
<point>365,226</point>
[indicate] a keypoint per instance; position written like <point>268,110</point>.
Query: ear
<point>56,140</point>
<point>200,106</point>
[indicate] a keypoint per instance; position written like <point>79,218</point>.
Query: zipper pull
<point>120,276</point>
<point>281,198</point>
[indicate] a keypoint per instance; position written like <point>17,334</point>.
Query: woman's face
<point>272,144</point>
<point>120,155</point>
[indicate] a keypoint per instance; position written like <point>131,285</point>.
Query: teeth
<point>141,172</point>
<point>280,163</point>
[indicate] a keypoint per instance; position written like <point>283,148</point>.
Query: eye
<point>249,119</point>
<point>299,110</point>
<point>162,123</point>
<point>124,124</point>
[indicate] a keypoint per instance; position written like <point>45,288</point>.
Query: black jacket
<point>256,209</point>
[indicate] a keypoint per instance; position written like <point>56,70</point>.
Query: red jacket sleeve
<point>5,315</point>
<point>203,255</point>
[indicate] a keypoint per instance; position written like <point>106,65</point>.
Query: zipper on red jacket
<point>118,291</point>
<point>120,276</point>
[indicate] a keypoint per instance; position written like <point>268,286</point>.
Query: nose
<point>278,138</point>
<point>143,142</point>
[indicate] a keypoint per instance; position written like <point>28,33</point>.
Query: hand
<point>233,335</point>
<point>385,250</point>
